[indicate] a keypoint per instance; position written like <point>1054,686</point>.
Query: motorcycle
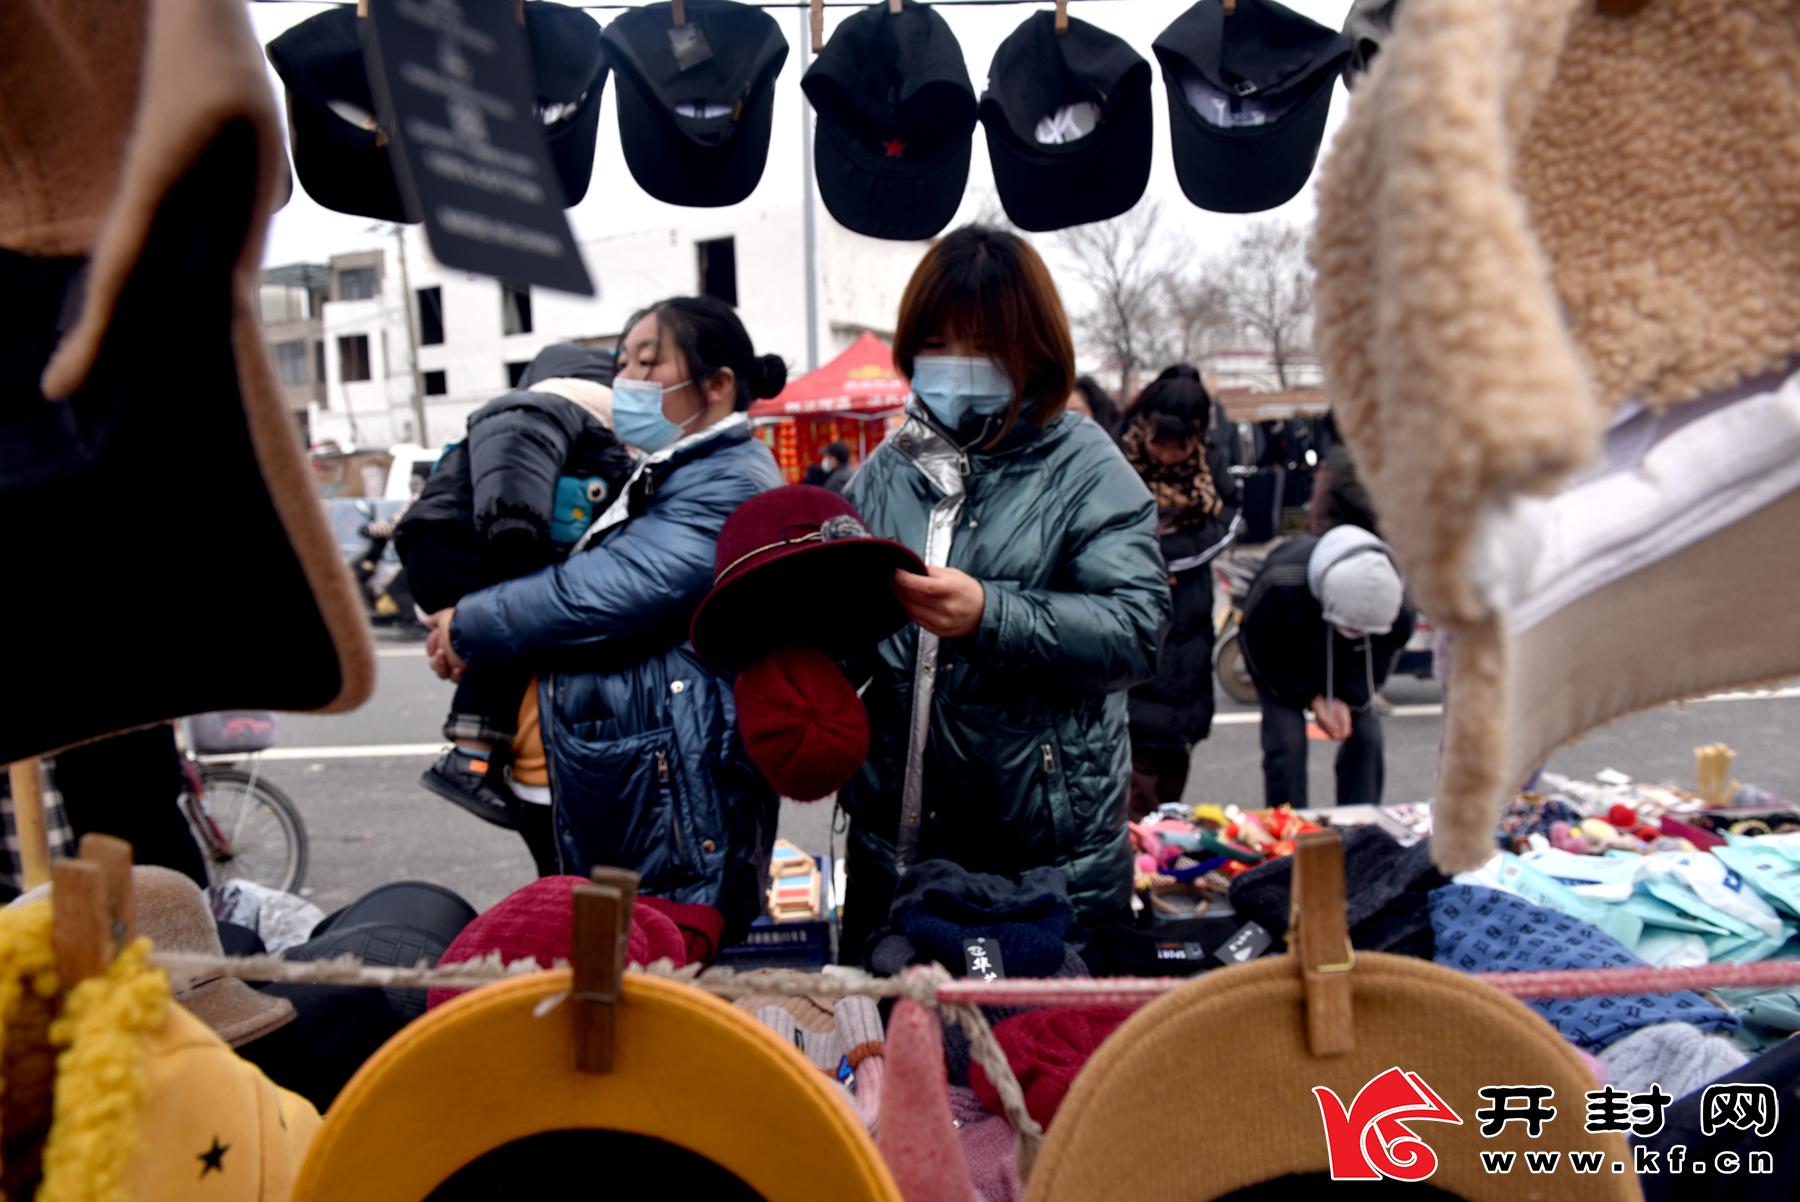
<point>365,536</point>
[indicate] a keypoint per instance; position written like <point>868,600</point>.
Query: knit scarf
<point>1184,491</point>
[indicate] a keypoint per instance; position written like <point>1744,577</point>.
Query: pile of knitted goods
<point>1202,849</point>
<point>1616,814</point>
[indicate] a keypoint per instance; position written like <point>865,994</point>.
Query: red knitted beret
<point>803,724</point>
<point>1046,1048</point>
<point>537,921</point>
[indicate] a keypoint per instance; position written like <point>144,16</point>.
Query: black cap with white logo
<point>342,158</point>
<point>896,120</point>
<point>696,100</point>
<point>1069,126</point>
<point>1248,96</point>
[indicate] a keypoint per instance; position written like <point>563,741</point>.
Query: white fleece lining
<point>1533,556</point>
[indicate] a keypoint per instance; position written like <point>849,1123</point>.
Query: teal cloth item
<point>1770,871</point>
<point>1514,875</point>
<point>1769,1018</point>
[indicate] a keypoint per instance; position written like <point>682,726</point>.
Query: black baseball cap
<point>1069,126</point>
<point>896,119</point>
<point>342,159</point>
<point>1248,95</point>
<point>696,101</point>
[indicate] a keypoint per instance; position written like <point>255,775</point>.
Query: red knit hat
<point>1046,1049</point>
<point>803,724</point>
<point>537,921</point>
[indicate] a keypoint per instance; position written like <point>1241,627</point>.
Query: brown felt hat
<point>173,915</point>
<point>146,417</point>
<point>1450,1033</point>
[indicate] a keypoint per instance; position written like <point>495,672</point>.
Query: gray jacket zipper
<point>946,467</point>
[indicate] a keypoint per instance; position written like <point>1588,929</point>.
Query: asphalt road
<point>355,776</point>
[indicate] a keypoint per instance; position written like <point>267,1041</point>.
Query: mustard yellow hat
<point>1405,1097</point>
<point>497,1065</point>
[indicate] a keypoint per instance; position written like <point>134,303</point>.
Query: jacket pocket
<point>995,799</point>
<point>625,806</point>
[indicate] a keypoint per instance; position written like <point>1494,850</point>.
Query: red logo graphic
<point>1373,1140</point>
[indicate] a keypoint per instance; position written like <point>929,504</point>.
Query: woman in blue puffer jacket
<point>645,767</point>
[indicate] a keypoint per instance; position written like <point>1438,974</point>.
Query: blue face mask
<point>638,418</point>
<point>953,386</point>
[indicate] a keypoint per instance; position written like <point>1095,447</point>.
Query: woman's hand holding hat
<point>946,602</point>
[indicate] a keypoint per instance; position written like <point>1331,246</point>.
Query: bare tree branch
<point>1123,264</point>
<point>1268,284</point>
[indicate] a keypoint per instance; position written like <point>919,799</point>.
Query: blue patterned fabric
<point>1486,930</point>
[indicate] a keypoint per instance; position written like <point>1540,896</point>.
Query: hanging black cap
<point>896,122</point>
<point>1069,127</point>
<point>696,101</point>
<point>1248,95</point>
<point>342,160</point>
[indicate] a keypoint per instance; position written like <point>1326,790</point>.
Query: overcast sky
<point>614,204</point>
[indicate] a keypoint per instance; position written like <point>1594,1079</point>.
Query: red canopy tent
<point>856,398</point>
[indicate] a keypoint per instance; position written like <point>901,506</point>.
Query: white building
<point>1254,371</point>
<point>475,334</point>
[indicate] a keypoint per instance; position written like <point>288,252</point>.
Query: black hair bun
<point>768,376</point>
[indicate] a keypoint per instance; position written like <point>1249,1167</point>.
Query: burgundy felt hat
<point>796,567</point>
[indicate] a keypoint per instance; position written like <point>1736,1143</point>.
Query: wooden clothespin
<point>93,913</point>
<point>818,25</point>
<point>1319,936</point>
<point>1062,16</point>
<point>680,7</point>
<point>362,8</point>
<point>1230,7</point>
<point>519,11</point>
<point>602,921</point>
<point>894,7</point>
<point>26,780</point>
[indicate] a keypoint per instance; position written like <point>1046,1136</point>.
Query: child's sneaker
<point>467,780</point>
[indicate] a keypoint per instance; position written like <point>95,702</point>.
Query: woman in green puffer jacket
<point>998,725</point>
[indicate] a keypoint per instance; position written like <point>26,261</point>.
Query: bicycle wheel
<point>256,834</point>
<point>1233,672</point>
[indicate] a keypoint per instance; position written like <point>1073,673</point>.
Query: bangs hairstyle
<point>989,288</point>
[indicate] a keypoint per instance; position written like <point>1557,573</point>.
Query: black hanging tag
<point>1249,942</point>
<point>452,82</point>
<point>689,45</point>
<point>981,959</point>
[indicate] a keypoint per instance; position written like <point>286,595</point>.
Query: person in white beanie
<point>1324,621</point>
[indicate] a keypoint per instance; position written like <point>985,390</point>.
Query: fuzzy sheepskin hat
<point>1539,220</point>
<point>143,159</point>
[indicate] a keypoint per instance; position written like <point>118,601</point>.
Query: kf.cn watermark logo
<point>1374,1139</point>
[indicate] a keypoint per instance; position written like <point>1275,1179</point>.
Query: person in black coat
<point>833,464</point>
<point>539,464</point>
<point>1324,620</point>
<point>1174,440</point>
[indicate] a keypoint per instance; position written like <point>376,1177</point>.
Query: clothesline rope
<point>940,989</point>
<point>924,984</point>
<point>957,1000</point>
